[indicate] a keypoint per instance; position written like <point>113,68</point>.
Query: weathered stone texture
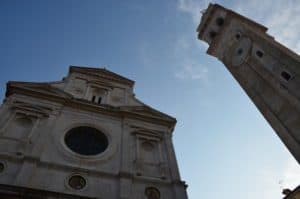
<point>266,70</point>
<point>35,118</point>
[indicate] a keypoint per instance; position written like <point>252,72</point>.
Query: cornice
<point>59,166</point>
<point>92,107</point>
<point>12,191</point>
<point>102,73</point>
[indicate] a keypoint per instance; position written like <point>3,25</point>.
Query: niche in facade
<point>149,158</point>
<point>149,152</point>
<point>152,193</point>
<point>20,126</point>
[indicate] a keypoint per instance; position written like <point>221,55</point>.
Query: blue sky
<point>225,148</point>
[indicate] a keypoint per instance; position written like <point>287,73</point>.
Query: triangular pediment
<point>42,88</point>
<point>102,73</point>
<point>79,90</point>
<point>32,108</point>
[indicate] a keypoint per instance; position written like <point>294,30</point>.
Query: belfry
<point>265,69</point>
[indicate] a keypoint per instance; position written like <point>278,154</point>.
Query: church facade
<point>86,136</point>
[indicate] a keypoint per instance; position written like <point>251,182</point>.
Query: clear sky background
<point>225,148</point>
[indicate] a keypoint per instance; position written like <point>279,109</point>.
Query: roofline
<point>295,191</point>
<point>155,110</point>
<point>205,19</point>
<point>72,102</point>
<point>80,68</point>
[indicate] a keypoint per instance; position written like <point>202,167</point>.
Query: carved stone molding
<point>149,152</point>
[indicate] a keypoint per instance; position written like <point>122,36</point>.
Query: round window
<point>86,140</point>
<point>77,182</point>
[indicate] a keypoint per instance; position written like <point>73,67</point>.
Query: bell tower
<point>86,136</point>
<point>265,69</point>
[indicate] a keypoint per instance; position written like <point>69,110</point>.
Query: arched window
<point>152,193</point>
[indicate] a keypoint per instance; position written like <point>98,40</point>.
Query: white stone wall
<point>266,70</point>
<point>32,148</point>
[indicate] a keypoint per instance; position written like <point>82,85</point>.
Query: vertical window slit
<point>219,21</point>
